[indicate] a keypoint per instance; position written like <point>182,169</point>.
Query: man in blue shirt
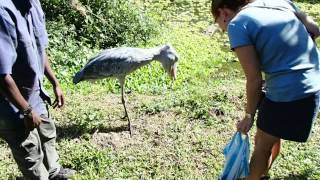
<point>25,123</point>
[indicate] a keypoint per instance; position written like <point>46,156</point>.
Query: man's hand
<point>245,125</point>
<point>31,121</point>
<point>59,101</point>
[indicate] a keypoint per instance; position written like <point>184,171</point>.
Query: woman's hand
<point>245,125</point>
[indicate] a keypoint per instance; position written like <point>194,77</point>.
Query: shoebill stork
<point>119,62</point>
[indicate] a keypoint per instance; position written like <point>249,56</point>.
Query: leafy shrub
<point>66,54</point>
<point>103,23</point>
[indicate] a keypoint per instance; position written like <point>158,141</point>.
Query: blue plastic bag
<point>236,154</point>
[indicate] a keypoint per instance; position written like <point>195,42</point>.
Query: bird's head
<point>169,60</point>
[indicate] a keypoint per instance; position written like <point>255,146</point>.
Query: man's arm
<point>59,101</point>
<point>49,73</point>
<point>9,89</point>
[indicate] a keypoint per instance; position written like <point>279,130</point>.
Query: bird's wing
<point>115,62</point>
<point>121,54</point>
<point>103,65</point>
<point>128,53</point>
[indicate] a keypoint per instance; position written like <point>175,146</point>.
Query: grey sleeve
<point>8,42</point>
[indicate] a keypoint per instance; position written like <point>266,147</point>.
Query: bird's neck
<point>156,53</point>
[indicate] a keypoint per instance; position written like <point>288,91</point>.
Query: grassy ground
<point>179,129</point>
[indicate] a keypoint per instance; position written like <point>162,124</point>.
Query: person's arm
<point>249,61</point>
<point>59,101</point>
<point>309,23</point>
<point>9,89</point>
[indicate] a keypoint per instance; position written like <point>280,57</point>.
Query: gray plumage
<point>119,62</point>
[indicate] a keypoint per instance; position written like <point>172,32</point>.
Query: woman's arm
<point>249,61</point>
<point>309,23</point>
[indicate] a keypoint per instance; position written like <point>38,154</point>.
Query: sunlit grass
<point>180,128</point>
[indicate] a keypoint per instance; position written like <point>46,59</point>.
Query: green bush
<point>66,54</point>
<point>103,23</point>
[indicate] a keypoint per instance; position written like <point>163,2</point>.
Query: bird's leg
<point>124,106</point>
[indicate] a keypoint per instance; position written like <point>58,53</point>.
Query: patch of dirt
<point>109,101</point>
<point>146,130</point>
<point>111,139</point>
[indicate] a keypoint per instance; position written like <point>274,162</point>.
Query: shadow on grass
<point>303,176</point>
<point>76,131</point>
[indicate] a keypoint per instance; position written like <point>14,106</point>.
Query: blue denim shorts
<point>289,120</point>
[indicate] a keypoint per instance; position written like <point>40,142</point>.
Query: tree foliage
<point>102,23</point>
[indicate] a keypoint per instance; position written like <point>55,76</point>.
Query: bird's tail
<point>78,77</point>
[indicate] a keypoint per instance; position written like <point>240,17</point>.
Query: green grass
<point>179,129</point>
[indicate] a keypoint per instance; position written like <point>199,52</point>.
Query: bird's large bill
<point>173,71</point>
